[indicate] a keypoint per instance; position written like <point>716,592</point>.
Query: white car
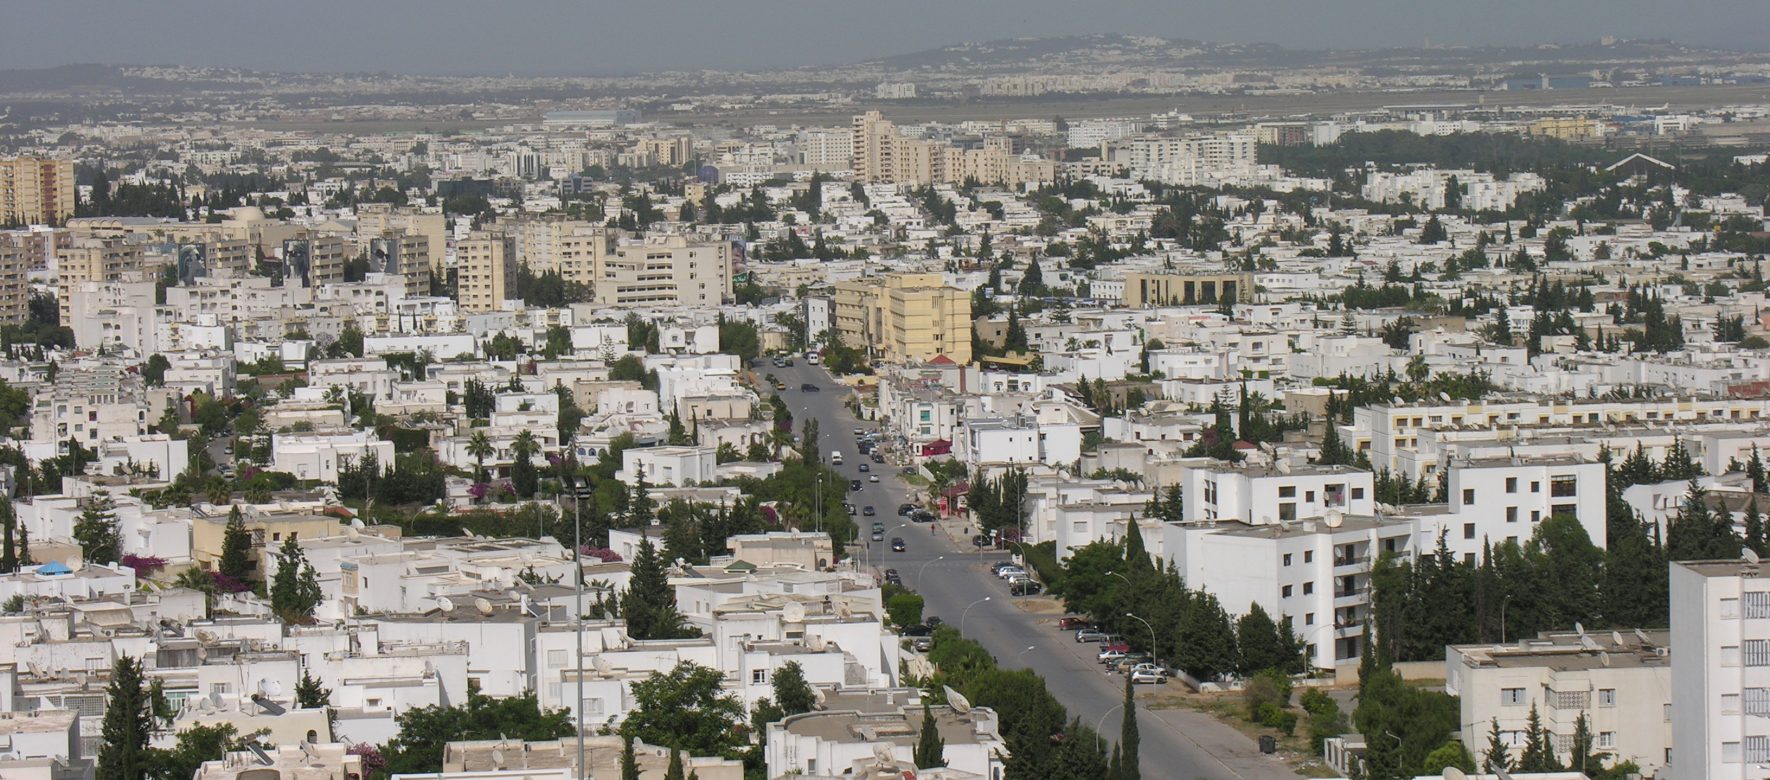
<point>1010,572</point>
<point>872,477</point>
<point>1142,676</point>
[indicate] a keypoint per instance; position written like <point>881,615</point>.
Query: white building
<point>673,466</point>
<point>1720,708</point>
<point>318,456</point>
<point>835,743</point>
<point>1019,440</point>
<point>1259,495</point>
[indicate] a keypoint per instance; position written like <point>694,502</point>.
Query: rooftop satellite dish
<point>307,749</point>
<point>793,612</point>
<point>484,607</point>
<point>469,533</point>
<point>1750,555</point>
<point>1334,518</point>
<point>497,758</point>
<point>1604,658</point>
<point>357,523</point>
<point>1453,773</point>
<point>1578,628</point>
<point>601,664</point>
<point>445,603</point>
<point>1445,397</point>
<point>1616,638</point>
<point>1500,772</point>
<point>1642,635</point>
<point>956,700</point>
<point>818,696</point>
<point>882,753</point>
<point>258,752</point>
<point>270,688</point>
<point>205,706</point>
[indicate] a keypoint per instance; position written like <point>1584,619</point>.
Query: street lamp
<point>1103,716</point>
<point>1153,654</point>
<point>967,612</point>
<point>925,568</point>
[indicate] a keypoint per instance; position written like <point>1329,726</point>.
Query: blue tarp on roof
<point>54,568</point>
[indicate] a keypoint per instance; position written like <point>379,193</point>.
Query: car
<point>1111,654</point>
<point>878,527</point>
<point>1025,588</point>
<point>998,566</point>
<point>779,385</point>
<point>1148,677</point>
<point>1127,663</point>
<point>897,544</point>
<point>789,362</point>
<point>878,536</point>
<point>1145,666</point>
<point>933,621</point>
<point>923,516</point>
<point>851,510</point>
<point>859,432</point>
<point>922,644</point>
<point>878,458</point>
<point>1073,623</point>
<point>905,510</point>
<point>854,484</point>
<point>1090,635</point>
<point>981,541</point>
<point>891,575</point>
<point>1010,572</point>
<point>872,477</point>
<point>778,363</point>
<point>809,388</point>
<point>868,511</point>
<point>864,468</point>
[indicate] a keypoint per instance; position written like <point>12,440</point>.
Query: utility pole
<point>578,575</point>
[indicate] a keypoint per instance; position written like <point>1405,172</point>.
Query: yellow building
<point>881,154</point>
<point>904,318</point>
<point>571,248</point>
<point>376,219</point>
<point>15,292</point>
<point>1187,289</point>
<point>485,266</point>
<point>268,531</point>
<point>1567,128</point>
<point>93,260</point>
<point>35,191</point>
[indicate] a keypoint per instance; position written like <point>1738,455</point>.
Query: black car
<point>931,621</point>
<point>982,540</point>
<point>904,510</point>
<point>809,388</point>
<point>868,511</point>
<point>853,484</point>
<point>864,468</point>
<point>897,544</point>
<point>916,630</point>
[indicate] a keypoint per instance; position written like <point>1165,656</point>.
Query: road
<point>954,581</point>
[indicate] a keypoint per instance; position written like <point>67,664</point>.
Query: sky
<point>597,37</point>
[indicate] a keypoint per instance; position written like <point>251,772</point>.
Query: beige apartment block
<point>36,191</point>
<point>669,270</point>
<point>485,267</point>
<point>883,155</point>
<point>314,260</point>
<point>398,253</point>
<point>93,260</point>
<point>904,318</point>
<point>377,219</point>
<point>571,248</point>
<point>15,292</point>
<point>1187,289</point>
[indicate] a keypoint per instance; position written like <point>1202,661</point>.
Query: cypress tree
<point>296,591</point>
<point>1754,527</point>
<point>1754,470</point>
<point>8,524</point>
<point>1538,755</point>
<point>674,771</point>
<point>1498,753</point>
<point>128,725</point>
<point>1129,738</point>
<point>649,604</point>
<point>629,761</point>
<point>96,530</point>
<point>236,547</point>
<point>1258,640</point>
<point>930,752</point>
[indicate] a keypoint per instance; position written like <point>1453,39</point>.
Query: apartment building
<point>1720,686</point>
<point>1621,681</point>
<point>669,270</point>
<point>202,256</point>
<point>1019,441</point>
<point>407,255</point>
<point>1504,499</point>
<point>93,260</point>
<point>36,191</point>
<point>1260,495</point>
<point>905,318</point>
<point>1145,289</point>
<point>826,149</point>
<point>882,154</point>
<point>313,260</point>
<point>570,248</point>
<point>1189,160</point>
<point>1316,572</point>
<point>89,405</point>
<point>379,219</point>
<point>485,271</point>
<point>15,292</point>
<point>319,456</point>
<point>837,743</point>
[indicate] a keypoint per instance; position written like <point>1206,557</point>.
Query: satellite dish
<point>1750,555</point>
<point>205,706</point>
<point>882,753</point>
<point>357,523</point>
<point>307,749</point>
<point>445,603</point>
<point>818,696</point>
<point>1445,397</point>
<point>1604,658</point>
<point>468,533</point>
<point>270,688</point>
<point>793,612</point>
<point>497,758</point>
<point>1334,518</point>
<point>484,607</point>
<point>1578,628</point>
<point>1616,637</point>
<point>601,664</point>
<point>1453,773</point>
<point>956,700</point>
<point>1642,635</point>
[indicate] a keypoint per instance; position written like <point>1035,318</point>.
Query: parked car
<point>870,477</point>
<point>878,536</point>
<point>868,511</point>
<point>1148,677</point>
<point>859,432</point>
<point>1025,588</point>
<point>1073,623</point>
<point>997,567</point>
<point>893,577</point>
<point>809,388</point>
<point>905,510</point>
<point>922,644</point>
<point>1111,654</point>
<point>878,458</point>
<point>854,484</point>
<point>1091,635</point>
<point>1129,662</point>
<point>897,544</point>
<point>933,621</point>
<point>850,508</point>
<point>917,630</point>
<point>1009,571</point>
<point>981,540</point>
<point>922,516</point>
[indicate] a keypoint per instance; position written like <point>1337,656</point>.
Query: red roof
<point>942,360</point>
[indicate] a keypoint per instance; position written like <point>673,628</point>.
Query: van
<point>835,457</point>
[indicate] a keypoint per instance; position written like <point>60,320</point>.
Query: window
<point>1730,703</point>
<point>1358,494</point>
<point>1607,697</point>
<point>1536,487</point>
<point>1757,701</point>
<point>1308,587</point>
<point>1757,652</point>
<point>1468,530</point>
<point>1729,608</point>
<point>1287,559</point>
<point>1564,486</point>
<point>1607,739</point>
<point>1468,495</point>
<point>1511,514</point>
<point>1565,510</point>
<point>1511,484</point>
<point>1511,697</point>
<point>1730,752</point>
<point>1309,618</point>
<point>1757,604</point>
<point>1308,556</point>
<point>758,676</point>
<point>556,658</point>
<point>220,689</point>
<point>1729,655</point>
<point>1285,592</point>
<point>1287,512</point>
<point>1287,491</point>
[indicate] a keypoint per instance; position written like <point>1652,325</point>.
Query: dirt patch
<point>1229,709</point>
<point>1039,606</point>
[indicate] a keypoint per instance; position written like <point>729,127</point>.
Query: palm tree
<point>480,448</point>
<point>524,445</point>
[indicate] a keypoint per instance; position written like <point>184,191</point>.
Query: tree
<point>295,593</point>
<point>8,527</point>
<point>791,692</point>
<point>236,547</point>
<point>196,744</point>
<point>1538,754</point>
<point>309,692</point>
<point>1498,754</point>
<point>128,724</point>
<point>96,530</point>
<point>418,748</point>
<point>649,604</point>
<point>1700,532</point>
<point>1261,646</point>
<point>687,709</point>
<point>930,752</point>
<point>1129,738</point>
<point>1754,470</point>
<point>1449,754</point>
<point>153,372</point>
<point>629,760</point>
<point>523,476</point>
<point>480,448</point>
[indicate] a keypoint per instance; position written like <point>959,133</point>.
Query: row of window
<point>1567,700</point>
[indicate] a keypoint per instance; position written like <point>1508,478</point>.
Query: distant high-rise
<point>883,155</point>
<point>485,268</point>
<point>35,191</point>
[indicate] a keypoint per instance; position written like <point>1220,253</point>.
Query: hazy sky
<point>599,36</point>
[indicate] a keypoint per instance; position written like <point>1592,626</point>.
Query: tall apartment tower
<point>313,260</point>
<point>1720,710</point>
<point>36,191</point>
<point>665,271</point>
<point>376,219</point>
<point>15,292</point>
<point>93,260</point>
<point>485,267</point>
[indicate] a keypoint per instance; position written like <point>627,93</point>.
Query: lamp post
<point>925,568</point>
<point>967,612</point>
<point>1103,716</point>
<point>1153,655</point>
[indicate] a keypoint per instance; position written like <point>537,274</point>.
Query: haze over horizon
<point>555,37</point>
